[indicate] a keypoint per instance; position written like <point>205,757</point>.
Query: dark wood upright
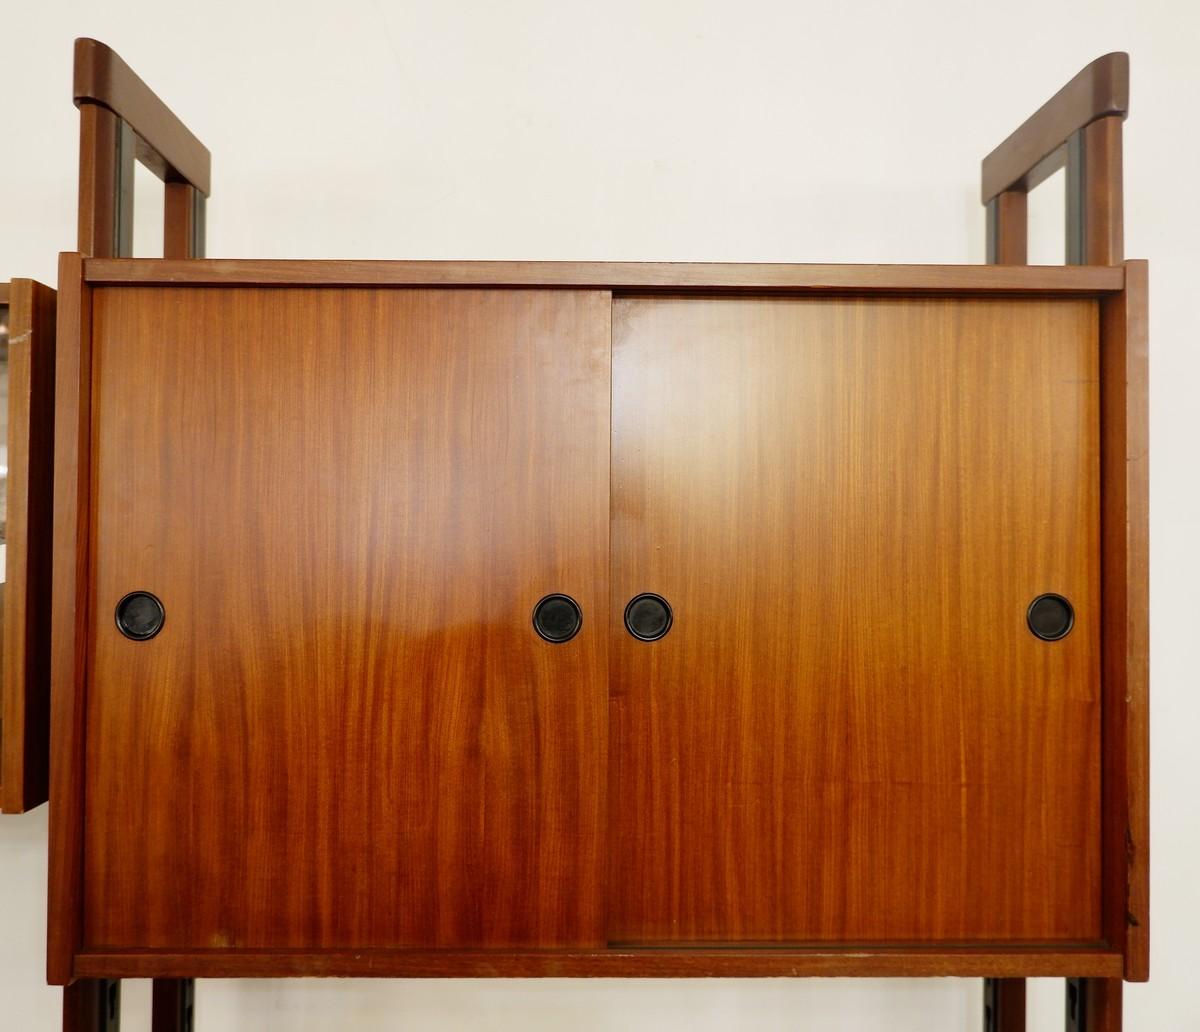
<point>121,120</point>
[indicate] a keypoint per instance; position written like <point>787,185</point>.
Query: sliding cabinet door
<point>849,730</point>
<point>342,730</point>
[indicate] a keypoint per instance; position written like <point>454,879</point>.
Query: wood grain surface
<point>25,709</point>
<point>622,276</point>
<point>1008,228</point>
<point>107,148</point>
<point>69,609</point>
<point>913,961</point>
<point>348,753</point>
<point>347,733</point>
<point>849,734</point>
<point>1125,521</point>
<point>1101,200</point>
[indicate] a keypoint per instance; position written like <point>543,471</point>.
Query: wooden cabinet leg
<point>1004,1005</point>
<point>1094,1004</point>
<point>92,1005</point>
<point>173,1005</point>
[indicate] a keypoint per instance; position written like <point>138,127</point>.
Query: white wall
<point>751,131</point>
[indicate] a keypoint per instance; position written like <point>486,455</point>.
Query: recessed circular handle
<point>1050,617</point>
<point>140,615</point>
<point>648,617</point>
<point>557,618</point>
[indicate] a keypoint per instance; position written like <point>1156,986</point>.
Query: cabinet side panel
<point>68,635</point>
<point>25,739</point>
<point>1125,447</point>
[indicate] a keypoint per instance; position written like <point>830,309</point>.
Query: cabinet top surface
<point>620,276</point>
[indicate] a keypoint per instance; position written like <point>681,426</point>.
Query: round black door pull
<point>140,616</point>
<point>648,617</point>
<point>557,618</point>
<point>1050,617</point>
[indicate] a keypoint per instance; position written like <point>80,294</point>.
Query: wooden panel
<point>908,962</point>
<point>347,733</point>
<point>630,276</point>
<point>25,729</point>
<point>1125,448</point>
<point>68,639</point>
<point>850,734</point>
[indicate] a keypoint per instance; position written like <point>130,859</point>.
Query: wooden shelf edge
<point>620,276</point>
<point>1024,962</point>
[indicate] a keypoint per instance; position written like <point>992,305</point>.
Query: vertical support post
<point>106,155</point>
<point>1095,194</point>
<point>97,180</point>
<point>1004,1005</point>
<point>183,221</point>
<point>1094,1004</point>
<point>173,1005</point>
<point>92,1005</point>
<point>1007,228</point>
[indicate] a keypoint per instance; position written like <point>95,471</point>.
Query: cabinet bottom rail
<point>624,962</point>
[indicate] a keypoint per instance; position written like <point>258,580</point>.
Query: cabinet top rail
<point>634,276</point>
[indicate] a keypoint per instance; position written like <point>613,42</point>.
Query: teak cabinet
<point>348,739</point>
<point>348,734</point>
<point>499,618</point>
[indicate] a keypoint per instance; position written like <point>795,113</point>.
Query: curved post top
<point>1021,162</point>
<point>171,150</point>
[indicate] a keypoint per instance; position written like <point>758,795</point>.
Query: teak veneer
<point>354,744</point>
<point>28,310</point>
